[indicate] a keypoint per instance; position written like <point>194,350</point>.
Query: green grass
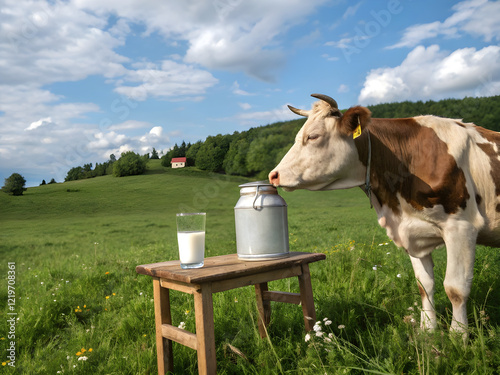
<point>77,243</point>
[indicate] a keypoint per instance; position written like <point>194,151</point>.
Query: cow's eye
<point>312,137</point>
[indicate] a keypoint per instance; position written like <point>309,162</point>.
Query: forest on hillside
<point>256,151</point>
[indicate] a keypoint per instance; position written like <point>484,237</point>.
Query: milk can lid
<point>255,183</point>
<point>257,187</point>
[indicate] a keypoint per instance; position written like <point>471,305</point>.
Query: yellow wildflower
<point>90,350</point>
<point>78,353</point>
<point>107,297</point>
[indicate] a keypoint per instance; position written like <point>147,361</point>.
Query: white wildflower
<point>182,325</point>
<point>328,322</point>
<point>341,326</point>
<point>82,358</point>
<point>308,337</point>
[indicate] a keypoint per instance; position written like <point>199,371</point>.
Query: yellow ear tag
<point>357,132</point>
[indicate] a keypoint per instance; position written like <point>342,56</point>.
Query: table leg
<point>204,310</point>
<point>162,316</point>
<point>306,298</point>
<point>264,308</point>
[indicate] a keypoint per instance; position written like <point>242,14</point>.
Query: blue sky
<point>82,79</point>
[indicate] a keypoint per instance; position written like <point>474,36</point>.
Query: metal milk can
<point>261,222</point>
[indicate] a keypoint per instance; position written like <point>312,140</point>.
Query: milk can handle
<point>256,196</point>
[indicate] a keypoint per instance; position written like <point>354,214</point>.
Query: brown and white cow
<point>432,181</point>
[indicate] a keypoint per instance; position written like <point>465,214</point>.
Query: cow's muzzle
<point>274,178</point>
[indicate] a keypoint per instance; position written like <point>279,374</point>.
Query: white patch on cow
<point>417,232</point>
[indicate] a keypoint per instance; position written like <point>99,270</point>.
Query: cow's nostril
<point>274,178</point>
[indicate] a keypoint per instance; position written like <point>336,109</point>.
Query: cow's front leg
<point>424,272</point>
<point>460,240</point>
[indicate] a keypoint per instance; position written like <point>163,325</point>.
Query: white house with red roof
<point>178,162</point>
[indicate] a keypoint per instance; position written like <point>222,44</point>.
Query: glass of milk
<point>191,239</point>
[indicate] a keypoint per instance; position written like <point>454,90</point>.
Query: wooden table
<point>222,273</point>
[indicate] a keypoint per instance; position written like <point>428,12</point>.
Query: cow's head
<point>324,155</point>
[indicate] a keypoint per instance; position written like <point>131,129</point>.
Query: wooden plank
<point>306,298</point>
<point>204,310</point>
<point>223,285</point>
<point>285,297</point>
<point>164,353</point>
<point>179,335</point>
<point>179,286</point>
<point>264,308</point>
<point>224,267</point>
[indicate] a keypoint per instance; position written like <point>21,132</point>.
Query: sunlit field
<point>80,307</point>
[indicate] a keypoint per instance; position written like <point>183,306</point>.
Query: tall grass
<point>75,247</point>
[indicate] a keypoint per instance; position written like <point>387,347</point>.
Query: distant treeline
<point>483,112</point>
<point>256,151</point>
<point>129,164</point>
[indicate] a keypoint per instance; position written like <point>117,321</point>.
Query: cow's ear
<point>354,119</point>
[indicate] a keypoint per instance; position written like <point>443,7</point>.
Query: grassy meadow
<point>82,309</point>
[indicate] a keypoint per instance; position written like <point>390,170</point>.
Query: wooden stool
<point>222,273</point>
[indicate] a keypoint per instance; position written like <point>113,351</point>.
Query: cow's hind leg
<point>424,272</point>
<point>460,249</point>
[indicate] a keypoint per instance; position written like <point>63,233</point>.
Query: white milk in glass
<point>191,247</point>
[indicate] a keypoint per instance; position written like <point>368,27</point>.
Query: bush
<point>14,184</point>
<point>129,164</point>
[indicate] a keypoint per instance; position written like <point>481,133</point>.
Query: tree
<point>52,181</point>
<point>129,164</point>
<point>75,173</point>
<point>154,154</point>
<point>14,184</point>
<point>43,183</point>
<point>235,160</point>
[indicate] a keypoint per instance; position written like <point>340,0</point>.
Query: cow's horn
<point>327,99</point>
<point>299,112</point>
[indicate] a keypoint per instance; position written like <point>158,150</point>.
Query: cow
<point>433,182</point>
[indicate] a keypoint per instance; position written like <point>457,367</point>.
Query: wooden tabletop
<point>223,267</point>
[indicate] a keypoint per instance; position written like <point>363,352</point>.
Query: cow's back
<point>485,168</point>
<point>477,152</point>
<point>441,162</point>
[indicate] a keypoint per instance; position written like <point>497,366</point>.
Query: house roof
<point>178,160</point>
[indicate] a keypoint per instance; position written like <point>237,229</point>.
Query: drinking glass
<point>191,239</point>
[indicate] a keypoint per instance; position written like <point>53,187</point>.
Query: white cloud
<point>238,91</point>
<point>156,131</point>
<point>429,73</point>
<point>245,106</point>
<point>352,10</point>
<point>129,125</point>
<point>343,89</point>
<point>41,122</point>
<point>172,80</point>
<point>472,16</point>
<point>225,35</point>
<point>282,113</point>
